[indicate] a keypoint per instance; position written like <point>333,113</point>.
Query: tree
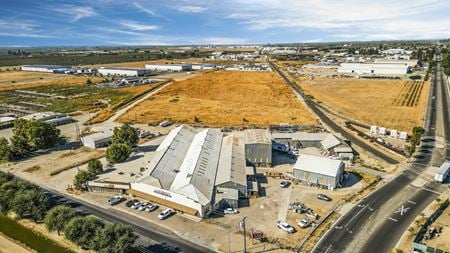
<point>88,81</point>
<point>115,238</point>
<point>31,202</point>
<point>95,166</point>
<point>82,231</point>
<point>58,217</point>
<point>82,177</point>
<point>117,153</point>
<point>125,134</point>
<point>5,149</point>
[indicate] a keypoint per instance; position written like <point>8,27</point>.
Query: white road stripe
<point>392,219</point>
<point>412,202</point>
<point>433,191</point>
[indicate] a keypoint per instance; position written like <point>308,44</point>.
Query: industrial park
<point>214,145</point>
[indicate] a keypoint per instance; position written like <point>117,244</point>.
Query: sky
<point>184,22</point>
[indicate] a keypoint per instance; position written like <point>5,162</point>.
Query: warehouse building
<point>319,171</point>
<point>202,66</point>
<point>169,67</point>
<point>258,147</point>
<point>124,71</point>
<point>409,63</point>
<point>53,118</point>
<point>47,68</point>
<point>98,140</point>
<point>194,172</point>
<point>374,68</point>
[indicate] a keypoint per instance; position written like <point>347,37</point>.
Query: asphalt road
<point>335,127</point>
<point>151,238</point>
<point>378,221</point>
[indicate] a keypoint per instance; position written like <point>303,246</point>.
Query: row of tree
<point>417,133</point>
<point>29,201</point>
<point>28,136</point>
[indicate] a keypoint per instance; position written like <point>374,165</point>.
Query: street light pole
<point>245,239</point>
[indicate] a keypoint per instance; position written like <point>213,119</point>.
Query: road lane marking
<point>370,209</point>
<point>392,219</point>
<point>338,227</point>
<point>402,210</point>
<point>411,202</point>
<point>433,191</point>
<point>362,209</point>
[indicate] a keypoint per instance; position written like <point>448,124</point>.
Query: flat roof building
<point>53,118</point>
<point>319,171</point>
<point>169,67</point>
<point>98,140</point>
<point>46,68</point>
<point>374,68</point>
<point>123,71</point>
<point>189,167</point>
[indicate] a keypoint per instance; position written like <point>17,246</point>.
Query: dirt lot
<point>7,245</point>
<point>395,104</point>
<point>442,241</point>
<point>224,98</point>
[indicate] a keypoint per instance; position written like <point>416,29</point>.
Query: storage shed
<point>258,147</point>
<point>98,140</point>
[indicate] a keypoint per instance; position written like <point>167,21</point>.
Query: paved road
<point>378,221</point>
<point>151,237</point>
<point>335,127</point>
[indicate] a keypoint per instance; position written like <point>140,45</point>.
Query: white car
<point>286,227</point>
<point>136,205</point>
<point>304,223</point>
<point>230,211</point>
<point>115,200</point>
<point>165,214</point>
<point>143,206</point>
<point>151,207</point>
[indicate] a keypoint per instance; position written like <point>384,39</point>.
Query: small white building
<point>169,67</point>
<point>124,71</point>
<point>373,68</point>
<point>393,133</point>
<point>374,129</point>
<point>404,135</point>
<point>319,171</point>
<point>382,131</point>
<point>442,172</point>
<point>98,140</point>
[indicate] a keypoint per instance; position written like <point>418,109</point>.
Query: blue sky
<point>175,22</point>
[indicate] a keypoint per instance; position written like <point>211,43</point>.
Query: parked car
<point>304,223</point>
<point>130,203</point>
<point>165,214</point>
<point>151,207</point>
<point>115,200</point>
<point>143,206</point>
<point>284,184</point>
<point>286,227</point>
<point>136,205</point>
<point>230,211</point>
<point>323,197</point>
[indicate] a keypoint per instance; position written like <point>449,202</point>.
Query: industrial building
<point>374,68</point>
<point>442,172</point>
<point>98,140</point>
<point>194,172</point>
<point>47,68</point>
<point>201,66</point>
<point>124,71</point>
<point>169,67</point>
<point>6,121</point>
<point>258,147</point>
<point>409,63</point>
<point>319,171</point>
<point>53,118</point>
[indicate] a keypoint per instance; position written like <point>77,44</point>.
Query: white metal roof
<point>6,119</point>
<point>443,168</point>
<point>257,136</point>
<point>330,141</point>
<point>304,136</point>
<point>100,135</point>
<point>318,165</point>
<point>232,164</point>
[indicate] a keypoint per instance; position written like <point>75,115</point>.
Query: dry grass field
<point>20,76</point>
<point>395,104</point>
<point>224,98</point>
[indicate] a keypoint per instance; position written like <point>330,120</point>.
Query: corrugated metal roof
<point>232,164</point>
<point>443,168</point>
<point>99,136</point>
<point>330,141</point>
<point>318,165</point>
<point>257,136</point>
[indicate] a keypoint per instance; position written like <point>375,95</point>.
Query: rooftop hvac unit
<point>394,133</point>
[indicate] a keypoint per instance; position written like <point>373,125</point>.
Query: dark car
<point>131,202</point>
<point>323,197</point>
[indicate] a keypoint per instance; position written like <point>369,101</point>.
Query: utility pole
<point>245,239</point>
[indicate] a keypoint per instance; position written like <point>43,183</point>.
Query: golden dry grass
<point>18,76</point>
<point>224,98</point>
<point>374,102</point>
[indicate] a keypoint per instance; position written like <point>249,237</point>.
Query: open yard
<point>224,98</point>
<point>395,104</point>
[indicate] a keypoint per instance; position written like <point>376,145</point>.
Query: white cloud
<point>144,9</point>
<point>138,26</point>
<point>20,28</point>
<point>190,9</point>
<point>76,12</point>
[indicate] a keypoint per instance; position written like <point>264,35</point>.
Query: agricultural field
<point>395,104</point>
<point>61,93</point>
<point>224,98</point>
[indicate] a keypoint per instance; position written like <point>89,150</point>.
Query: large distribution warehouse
<point>169,67</point>
<point>374,68</point>
<point>46,68</point>
<point>124,71</point>
<point>194,172</point>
